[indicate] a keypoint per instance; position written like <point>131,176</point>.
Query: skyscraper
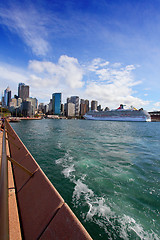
<point>82,107</point>
<point>56,101</point>
<point>94,105</point>
<point>87,105</point>
<point>75,100</point>
<point>70,109</point>
<point>23,91</point>
<point>7,97</point>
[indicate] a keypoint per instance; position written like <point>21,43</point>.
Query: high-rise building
<point>70,109</point>
<point>34,102</point>
<point>87,105</point>
<point>46,108</point>
<point>23,91</point>
<point>50,110</point>
<point>56,101</point>
<point>83,107</point>
<point>62,108</point>
<point>26,109</point>
<point>7,97</point>
<point>94,105</point>
<point>41,108</point>
<point>75,100</point>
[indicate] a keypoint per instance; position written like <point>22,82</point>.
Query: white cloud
<point>113,84</point>
<point>157,104</point>
<point>11,76</point>
<point>8,73</point>
<point>109,85</point>
<point>67,72</point>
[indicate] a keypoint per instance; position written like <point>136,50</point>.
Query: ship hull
<point>122,119</point>
<point>119,115</point>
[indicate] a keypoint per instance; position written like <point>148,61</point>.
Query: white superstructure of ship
<point>119,114</point>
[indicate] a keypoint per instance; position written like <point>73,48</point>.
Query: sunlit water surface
<point>107,172</point>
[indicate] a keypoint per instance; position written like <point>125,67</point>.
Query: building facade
<point>94,105</point>
<point>26,109</point>
<point>23,91</point>
<point>87,105</point>
<point>7,97</point>
<point>34,103</point>
<point>75,100</point>
<point>70,109</point>
<point>56,101</point>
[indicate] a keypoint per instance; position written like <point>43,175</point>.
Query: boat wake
<point>99,209</point>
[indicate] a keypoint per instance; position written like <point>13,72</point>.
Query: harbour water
<point>107,172</point>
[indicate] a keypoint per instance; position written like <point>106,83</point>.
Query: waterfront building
<point>3,101</point>
<point>41,108</point>
<point>56,101</point>
<point>70,109</point>
<point>50,110</point>
<point>7,97</point>
<point>62,109</point>
<point>23,91</point>
<point>82,101</point>
<point>94,105</point>
<point>82,109</point>
<point>84,106</point>
<point>34,102</point>
<point>75,100</point>
<point>87,105</point>
<point>13,103</point>
<point>99,108</point>
<point>26,107</point>
<point>46,108</point>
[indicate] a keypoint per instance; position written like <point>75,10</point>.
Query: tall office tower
<point>82,107</point>
<point>87,105</point>
<point>94,105</point>
<point>34,102</point>
<point>7,97</point>
<point>62,109</point>
<point>82,101</point>
<point>70,109</point>
<point>41,107</point>
<point>50,110</point>
<point>56,101</point>
<point>23,91</point>
<point>26,108</point>
<point>75,100</point>
<point>3,101</point>
<point>46,108</point>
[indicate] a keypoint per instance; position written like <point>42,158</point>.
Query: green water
<point>107,172</point>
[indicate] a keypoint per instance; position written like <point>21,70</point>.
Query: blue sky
<point>97,49</point>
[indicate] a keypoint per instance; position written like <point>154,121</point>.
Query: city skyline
<point>107,51</point>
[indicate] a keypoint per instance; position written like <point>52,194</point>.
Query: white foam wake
<point>99,210</point>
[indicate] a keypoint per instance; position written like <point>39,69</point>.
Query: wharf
<point>35,208</point>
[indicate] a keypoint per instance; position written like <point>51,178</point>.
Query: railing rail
<point>4,221</point>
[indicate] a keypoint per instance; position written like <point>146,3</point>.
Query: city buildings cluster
<point>24,105</point>
<point>21,104</point>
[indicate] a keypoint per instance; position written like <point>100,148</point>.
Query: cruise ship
<point>119,114</point>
